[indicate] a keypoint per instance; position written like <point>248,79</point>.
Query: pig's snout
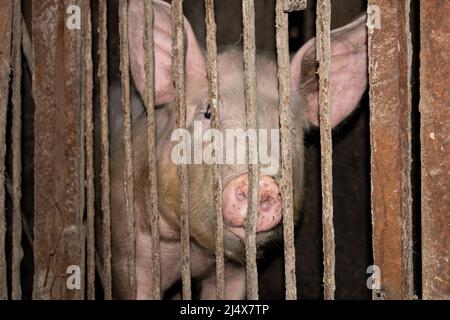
<point>235,196</point>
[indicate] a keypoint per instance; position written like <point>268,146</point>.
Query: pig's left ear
<point>162,35</point>
<point>348,79</point>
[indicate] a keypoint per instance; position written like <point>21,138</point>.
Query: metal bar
<point>128,148</point>
<point>178,52</point>
<point>89,142</point>
<point>104,149</point>
<point>323,26</point>
<point>435,148</point>
<point>16,134</point>
<point>151,141</point>
<point>294,5</point>
<point>284,88</point>
<point>59,175</point>
<point>6,10</point>
<point>248,17</point>
<point>390,139</point>
<point>211,46</point>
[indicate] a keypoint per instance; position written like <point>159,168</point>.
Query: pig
<point>348,83</point>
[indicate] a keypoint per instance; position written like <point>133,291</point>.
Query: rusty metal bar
<point>89,143</point>
<point>211,46</point>
<point>435,148</point>
<point>248,18</point>
<point>104,149</point>
<point>16,135</point>
<point>59,191</point>
<point>284,88</point>
<point>390,139</point>
<point>323,26</point>
<point>6,10</point>
<point>151,141</point>
<point>128,148</point>
<point>294,5</point>
<point>178,51</point>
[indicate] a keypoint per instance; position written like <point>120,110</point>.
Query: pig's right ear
<point>195,61</point>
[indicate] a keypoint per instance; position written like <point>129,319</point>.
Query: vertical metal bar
<point>104,148</point>
<point>323,25</point>
<point>151,141</point>
<point>178,52</point>
<point>128,148</point>
<point>211,46</point>
<point>390,139</point>
<point>248,17</point>
<point>89,142</point>
<point>284,88</point>
<point>17,251</point>
<point>435,147</point>
<point>59,172</point>
<point>6,10</point>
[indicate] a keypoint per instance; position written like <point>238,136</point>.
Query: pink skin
<point>348,82</point>
<point>235,195</point>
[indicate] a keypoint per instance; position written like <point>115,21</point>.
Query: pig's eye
<point>207,114</point>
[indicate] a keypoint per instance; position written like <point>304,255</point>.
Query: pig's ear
<point>348,72</point>
<point>195,61</point>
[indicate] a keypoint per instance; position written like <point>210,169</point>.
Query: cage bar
<point>323,25</point>
<point>59,175</point>
<point>435,147</point>
<point>390,55</point>
<point>6,11</point>
<point>89,143</point>
<point>178,51</point>
<point>211,46</point>
<point>151,142</point>
<point>286,190</point>
<point>16,135</point>
<point>248,17</point>
<point>128,148</point>
<point>104,149</point>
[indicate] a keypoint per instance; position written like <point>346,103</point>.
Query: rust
<point>390,130</point>
<point>323,26</point>
<point>5,67</point>
<point>284,87</point>
<point>59,177</point>
<point>435,148</point>
<point>211,45</point>
<point>128,148</point>
<point>151,141</point>
<point>178,51</point>
<point>248,17</point>
<point>89,143</point>
<point>17,251</point>
<point>104,150</point>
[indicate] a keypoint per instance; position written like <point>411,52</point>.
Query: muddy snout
<point>235,196</point>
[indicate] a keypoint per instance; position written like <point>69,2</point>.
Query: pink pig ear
<point>348,72</point>
<point>195,62</point>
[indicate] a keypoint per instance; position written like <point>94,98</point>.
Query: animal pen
<point>409,62</point>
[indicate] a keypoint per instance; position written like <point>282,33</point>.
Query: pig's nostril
<point>240,195</point>
<point>266,203</point>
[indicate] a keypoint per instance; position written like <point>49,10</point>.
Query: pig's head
<point>348,83</point>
